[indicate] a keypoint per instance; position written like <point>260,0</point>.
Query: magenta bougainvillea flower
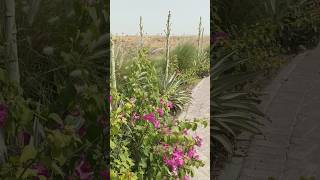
<point>198,140</point>
<point>3,114</point>
<point>83,170</point>
<point>160,112</point>
<point>176,161</point>
<point>41,171</point>
<point>192,153</point>
<point>82,131</point>
<point>135,116</point>
<point>186,178</point>
<point>170,105</point>
<point>165,146</point>
<point>149,117</point>
<point>161,101</point>
<point>156,124</point>
<point>152,119</point>
<point>110,98</point>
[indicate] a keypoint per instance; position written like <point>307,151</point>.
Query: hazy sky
<point>125,16</point>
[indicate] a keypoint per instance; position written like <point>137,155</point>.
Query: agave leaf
<point>243,125</point>
<point>243,106</point>
<point>232,95</point>
<point>225,141</point>
<point>226,127</point>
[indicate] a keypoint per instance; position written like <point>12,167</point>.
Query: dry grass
<point>126,46</point>
<point>130,42</point>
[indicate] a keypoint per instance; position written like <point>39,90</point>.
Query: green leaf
<point>28,152</point>
<point>225,141</point>
<point>57,169</point>
<point>56,118</point>
<point>28,173</point>
<point>112,144</point>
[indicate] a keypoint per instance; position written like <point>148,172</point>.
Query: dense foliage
<point>148,140</point>
<point>52,122</point>
<point>250,44</point>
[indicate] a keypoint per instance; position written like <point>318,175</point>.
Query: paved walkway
<point>291,146</point>
<point>200,108</point>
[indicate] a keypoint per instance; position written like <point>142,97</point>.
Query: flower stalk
<point>167,32</point>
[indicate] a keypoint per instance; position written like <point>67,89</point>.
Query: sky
<point>185,15</point>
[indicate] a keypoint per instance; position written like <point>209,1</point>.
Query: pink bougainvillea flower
<point>41,171</point>
<point>176,161</point>
<point>185,132</point>
<point>197,157</point>
<point>149,117</point>
<point>165,146</point>
<point>198,140</point>
<point>160,112</point>
<point>186,178</point>
<point>192,153</point>
<point>110,98</point>
<point>170,105</point>
<point>135,116</point>
<point>156,124</point>
<point>3,114</point>
<point>82,131</point>
<point>161,101</point>
<point>83,170</point>
<point>152,119</point>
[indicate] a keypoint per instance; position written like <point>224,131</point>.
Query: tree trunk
<point>11,41</point>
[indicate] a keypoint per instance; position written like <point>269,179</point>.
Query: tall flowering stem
<point>141,32</point>
<point>11,41</point>
<point>199,36</point>
<point>202,40</point>
<point>167,32</point>
<point>113,68</point>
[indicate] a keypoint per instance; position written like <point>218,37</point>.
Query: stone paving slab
<point>200,108</point>
<point>291,148</point>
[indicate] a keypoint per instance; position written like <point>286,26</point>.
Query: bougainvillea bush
<point>61,141</point>
<point>146,141</point>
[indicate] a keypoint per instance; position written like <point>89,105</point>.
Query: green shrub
<point>144,134</point>
<point>185,54</point>
<point>232,111</point>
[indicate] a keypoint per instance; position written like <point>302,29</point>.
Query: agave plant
<point>233,111</point>
<point>173,89</point>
